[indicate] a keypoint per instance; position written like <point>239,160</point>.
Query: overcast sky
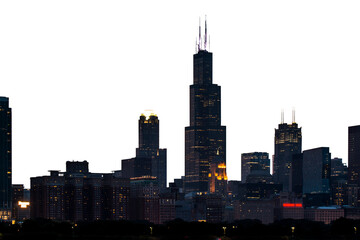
<point>80,73</point>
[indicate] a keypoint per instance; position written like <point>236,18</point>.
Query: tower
<point>205,137</point>
<point>354,155</point>
<point>5,159</point>
<point>287,143</point>
<point>149,147</point>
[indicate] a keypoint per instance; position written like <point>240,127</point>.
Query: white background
<point>80,73</point>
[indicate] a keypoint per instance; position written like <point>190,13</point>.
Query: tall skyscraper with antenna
<point>205,138</point>
<point>288,141</point>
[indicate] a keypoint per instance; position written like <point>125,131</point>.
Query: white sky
<point>80,73</point>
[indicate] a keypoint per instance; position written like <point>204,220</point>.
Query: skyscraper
<point>205,138</point>
<point>149,147</point>
<point>354,165</point>
<point>287,143</point>
<point>354,155</point>
<point>5,159</point>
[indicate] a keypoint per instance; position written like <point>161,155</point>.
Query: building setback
<point>287,143</point>
<point>5,159</point>
<point>205,138</point>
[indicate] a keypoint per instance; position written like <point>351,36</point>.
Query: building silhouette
<point>205,137</point>
<point>5,159</point>
<point>354,165</point>
<point>149,148</point>
<point>254,162</point>
<point>287,143</point>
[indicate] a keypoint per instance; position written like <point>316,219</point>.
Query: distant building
<point>354,166</point>
<point>205,136</point>
<point>324,214</point>
<point>288,141</point>
<point>316,170</point>
<point>262,210</point>
<point>144,199</point>
<point>20,203</point>
<point>149,148</point>
<point>296,179</point>
<point>255,161</point>
<point>5,159</point>
<point>339,177</point>
<point>136,167</point>
<point>217,177</point>
<point>79,195</point>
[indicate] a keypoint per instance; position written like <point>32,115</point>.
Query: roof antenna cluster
<point>200,43</point>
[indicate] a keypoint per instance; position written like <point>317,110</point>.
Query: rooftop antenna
<point>199,44</point>
<point>293,115</point>
<point>205,34</point>
<point>196,46</point>
<point>282,116</point>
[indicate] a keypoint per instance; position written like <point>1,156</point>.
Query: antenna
<point>293,115</point>
<point>205,33</point>
<point>282,116</point>
<point>196,46</point>
<point>199,45</point>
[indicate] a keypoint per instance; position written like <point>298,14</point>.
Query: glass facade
<point>205,138</point>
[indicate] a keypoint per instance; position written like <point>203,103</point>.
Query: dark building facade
<point>78,196</point>
<point>288,141</point>
<point>149,148</point>
<point>354,155</point>
<point>5,159</point>
<point>254,162</point>
<point>205,137</point>
<point>316,170</point>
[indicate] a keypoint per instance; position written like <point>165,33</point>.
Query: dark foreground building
<point>5,159</point>
<point>79,195</point>
<point>205,138</point>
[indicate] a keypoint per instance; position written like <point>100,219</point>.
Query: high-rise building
<point>287,143</point>
<point>354,166</point>
<point>316,170</point>
<point>354,155</point>
<point>5,159</point>
<point>254,162</point>
<point>149,147</point>
<point>205,137</point>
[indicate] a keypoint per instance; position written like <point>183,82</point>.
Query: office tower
<point>339,174</point>
<point>205,137</point>
<point>5,159</point>
<point>149,147</point>
<point>316,170</point>
<point>354,155</point>
<point>144,199</point>
<point>254,162</point>
<point>287,143</point>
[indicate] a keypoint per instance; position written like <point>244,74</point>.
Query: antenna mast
<point>293,115</point>
<point>205,34</point>
<point>282,116</point>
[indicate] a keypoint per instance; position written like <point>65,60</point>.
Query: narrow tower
<point>205,138</point>
<point>149,147</point>
<point>5,159</point>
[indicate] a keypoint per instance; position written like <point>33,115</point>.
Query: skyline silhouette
<point>77,84</point>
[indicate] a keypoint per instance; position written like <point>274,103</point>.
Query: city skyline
<point>77,86</point>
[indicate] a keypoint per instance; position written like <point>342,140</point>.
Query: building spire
<point>205,40</point>
<point>293,116</point>
<point>282,116</point>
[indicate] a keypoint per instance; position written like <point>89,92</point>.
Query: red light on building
<point>292,205</point>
